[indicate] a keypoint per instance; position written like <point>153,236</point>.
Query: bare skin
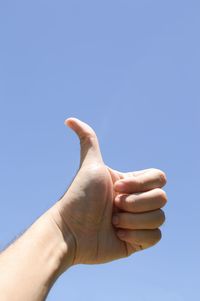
<point>104,215</point>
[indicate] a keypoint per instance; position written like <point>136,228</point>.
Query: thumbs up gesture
<point>109,214</point>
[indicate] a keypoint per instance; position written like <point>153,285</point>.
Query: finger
<point>142,238</point>
<point>154,178</point>
<point>139,221</point>
<point>123,175</point>
<point>90,150</point>
<point>142,202</point>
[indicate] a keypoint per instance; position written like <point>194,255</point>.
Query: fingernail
<point>115,220</point>
<point>121,233</point>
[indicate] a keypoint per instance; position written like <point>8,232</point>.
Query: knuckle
<point>161,217</point>
<point>88,138</point>
<point>162,177</point>
<point>162,195</point>
<point>157,235</point>
<point>142,184</point>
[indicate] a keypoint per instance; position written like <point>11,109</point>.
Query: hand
<point>86,210</point>
<point>79,229</point>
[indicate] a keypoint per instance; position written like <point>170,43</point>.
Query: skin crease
<point>86,209</point>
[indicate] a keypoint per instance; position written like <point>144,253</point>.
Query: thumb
<point>90,151</point>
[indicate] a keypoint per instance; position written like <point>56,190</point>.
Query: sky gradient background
<point>131,70</point>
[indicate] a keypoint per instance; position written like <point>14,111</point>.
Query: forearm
<point>30,266</point>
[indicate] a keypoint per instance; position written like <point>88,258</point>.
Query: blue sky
<point>131,70</point>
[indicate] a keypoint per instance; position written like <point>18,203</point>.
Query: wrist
<point>65,251</point>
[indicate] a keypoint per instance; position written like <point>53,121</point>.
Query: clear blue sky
<point>131,70</point>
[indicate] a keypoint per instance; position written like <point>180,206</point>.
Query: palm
<point>96,212</point>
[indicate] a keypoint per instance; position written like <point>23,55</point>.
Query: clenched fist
<point>109,214</point>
